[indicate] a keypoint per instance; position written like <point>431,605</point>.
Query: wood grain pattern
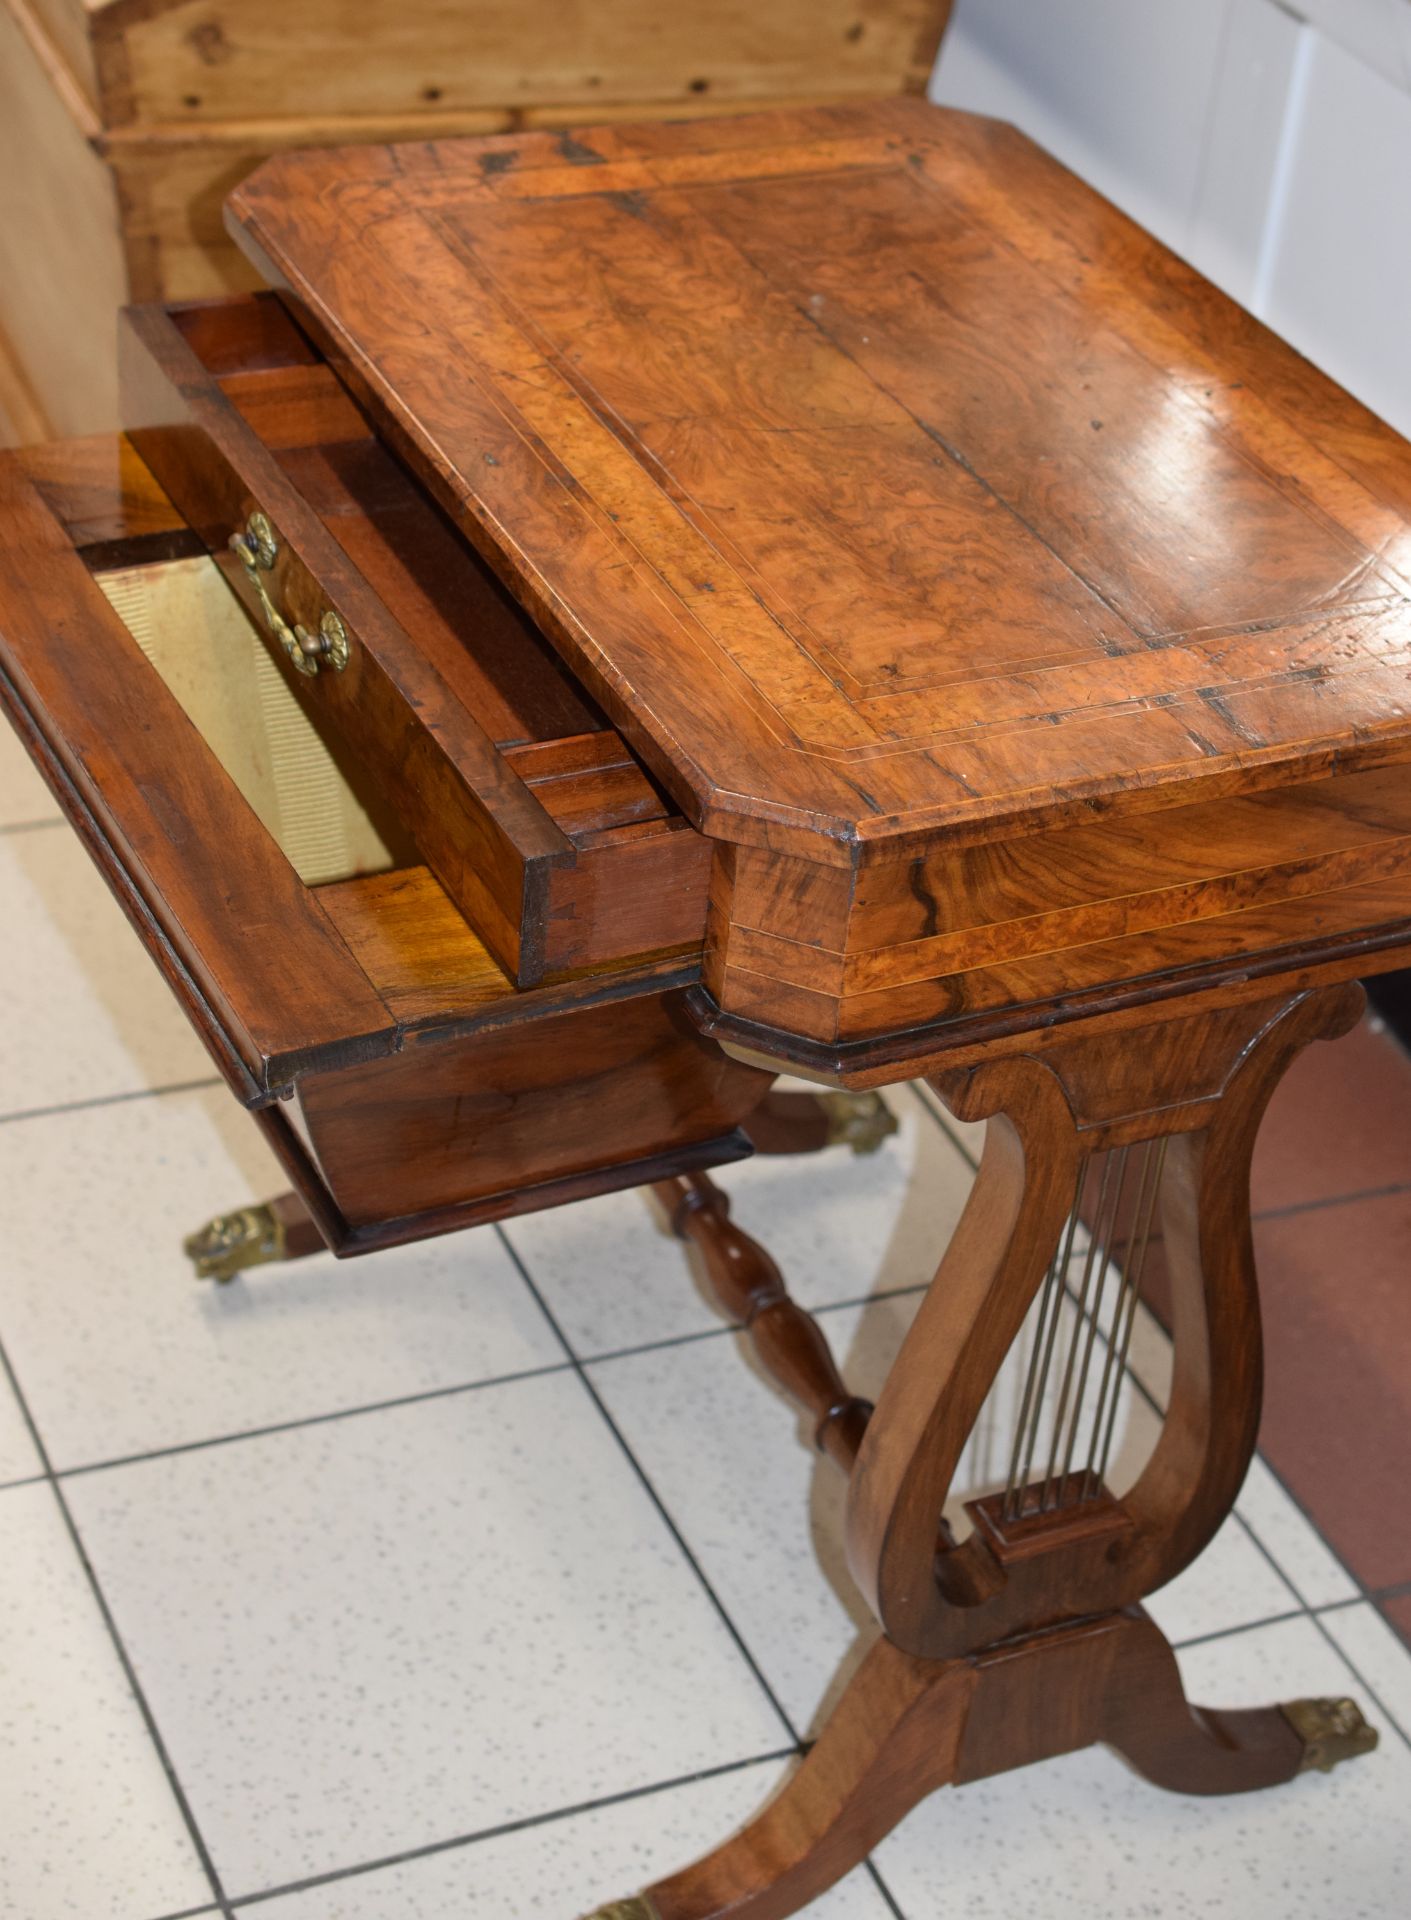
<point>107,501</point>
<point>906,1727</point>
<point>274,976</point>
<point>1203,1082</point>
<point>147,113</point>
<point>787,1341</point>
<point>187,63</point>
<point>592,1088</point>
<point>837,564</point>
<point>573,863</point>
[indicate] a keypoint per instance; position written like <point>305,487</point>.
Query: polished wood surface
<point>129,121</point>
<point>1025,1638</point>
<point>826,590</point>
<point>789,1343</point>
<point>906,1727</point>
<point>865,509</point>
<point>1014,616</point>
<point>551,839</point>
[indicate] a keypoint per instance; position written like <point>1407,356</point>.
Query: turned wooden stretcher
<point>632,613</point>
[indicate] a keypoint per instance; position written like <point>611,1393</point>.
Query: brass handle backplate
<point>258,548</point>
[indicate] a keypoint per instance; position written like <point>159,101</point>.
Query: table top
<point>883,482</point>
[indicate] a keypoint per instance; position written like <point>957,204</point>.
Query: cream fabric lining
<point>196,634</point>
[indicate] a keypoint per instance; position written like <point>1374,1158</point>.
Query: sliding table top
<point>883,482</point>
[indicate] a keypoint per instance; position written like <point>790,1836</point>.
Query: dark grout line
<point>1363,1592</point>
<point>887,1896</point>
<point>1378,1703</point>
<point>728,1327</point>
<point>313,1420</point>
<point>1397,1591</point>
<point>1334,1200</point>
<point>591,1390</point>
<point>28,1480</point>
<point>1241,1626</point>
<point>941,1119</point>
<point>507,1827</point>
<point>722,1332</point>
<point>1140,1387</point>
<point>110,1099</point>
<point>194,1833</point>
<point>1316,1617</point>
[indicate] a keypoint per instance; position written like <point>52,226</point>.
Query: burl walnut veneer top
<point>881,480</point>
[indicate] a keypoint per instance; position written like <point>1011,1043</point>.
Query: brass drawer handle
<point>330,646</point>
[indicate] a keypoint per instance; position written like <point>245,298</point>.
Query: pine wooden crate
<point>125,123</point>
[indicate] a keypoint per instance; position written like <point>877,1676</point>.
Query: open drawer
<point>408,1085</point>
<point>533,815</point>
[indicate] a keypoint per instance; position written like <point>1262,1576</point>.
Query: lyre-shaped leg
<point>1024,1640</point>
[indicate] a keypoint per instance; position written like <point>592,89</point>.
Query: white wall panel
<point>1241,172</point>
<point>1339,281</point>
<point>1268,143</point>
<point>1118,91</point>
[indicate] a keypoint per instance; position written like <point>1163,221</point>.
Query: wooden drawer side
<point>534,815</point>
<point>260,968</point>
<point>477,827</point>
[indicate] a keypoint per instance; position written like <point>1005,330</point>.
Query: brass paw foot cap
<point>1331,1731</point>
<point>231,1242</point>
<point>861,1121</point>
<point>636,1909</point>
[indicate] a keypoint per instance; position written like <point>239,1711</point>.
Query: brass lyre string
<point>1041,1358</point>
<point>1104,1237</point>
<point>1126,1315</point>
<point>1090,1266</point>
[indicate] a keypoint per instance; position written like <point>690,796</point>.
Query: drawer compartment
<point>534,816</point>
<point>289,909</point>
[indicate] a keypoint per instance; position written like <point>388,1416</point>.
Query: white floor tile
<point>1149,1356</point>
<point>1380,1657</point>
<point>1230,1585</point>
<point>1083,1835</point>
<point>83,1011</point>
<point>567,1867</point>
<point>19,1459</point>
<point>840,1225</point>
<point>968,1134</point>
<point>119,1350</point>
<point>1303,1556</point>
<point>372,1634</point>
<point>88,1824</point>
<point>23,795</point>
<point>701,1419</point>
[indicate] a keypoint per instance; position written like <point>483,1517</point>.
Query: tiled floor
<point>489,1579</point>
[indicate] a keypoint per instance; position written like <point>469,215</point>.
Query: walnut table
<point>819,591</point>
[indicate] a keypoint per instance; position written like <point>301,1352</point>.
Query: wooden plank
<point>62,273</point>
<point>278,978</point>
<point>185,62</point>
<point>22,415</point>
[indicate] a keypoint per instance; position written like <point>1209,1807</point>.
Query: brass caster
<point>1331,1731</point>
<point>625,1910</point>
<point>231,1242</point>
<point>861,1121</point>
